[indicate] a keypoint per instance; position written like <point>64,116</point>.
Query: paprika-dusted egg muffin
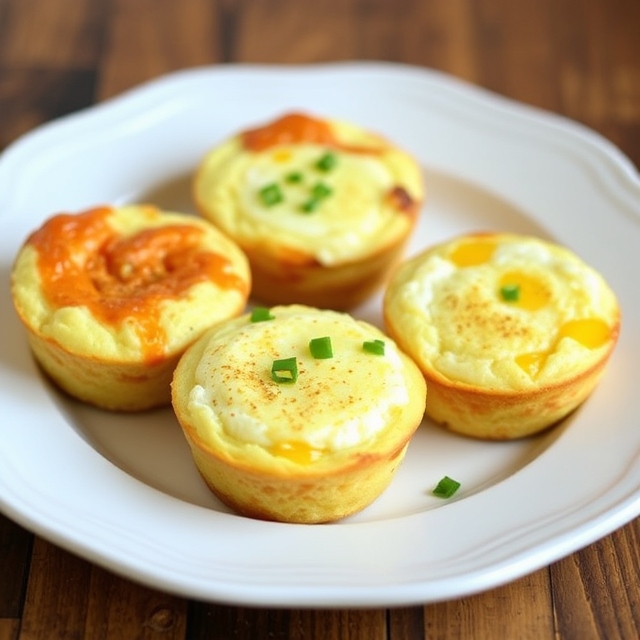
<point>511,332</point>
<point>111,297</point>
<point>297,414</point>
<point>322,208</point>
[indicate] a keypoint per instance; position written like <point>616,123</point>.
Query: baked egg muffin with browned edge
<point>511,332</point>
<point>111,297</point>
<point>322,208</point>
<point>297,414</point>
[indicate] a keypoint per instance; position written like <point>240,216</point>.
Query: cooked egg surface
<point>336,402</point>
<point>502,311</point>
<point>329,199</point>
<point>128,282</point>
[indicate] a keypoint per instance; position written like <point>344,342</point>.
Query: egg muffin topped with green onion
<point>297,414</point>
<point>512,332</point>
<point>322,208</point>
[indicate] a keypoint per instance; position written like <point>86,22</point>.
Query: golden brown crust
<point>292,277</point>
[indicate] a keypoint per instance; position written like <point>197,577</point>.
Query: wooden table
<point>580,58</point>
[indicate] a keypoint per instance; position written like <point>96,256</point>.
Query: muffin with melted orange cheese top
<point>111,298</point>
<point>512,332</point>
<point>322,208</point>
<point>299,414</point>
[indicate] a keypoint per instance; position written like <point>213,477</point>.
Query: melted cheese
<point>128,282</point>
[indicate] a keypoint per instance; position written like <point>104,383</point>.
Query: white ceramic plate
<point>121,490</point>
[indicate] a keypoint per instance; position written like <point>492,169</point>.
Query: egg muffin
<point>297,414</point>
<point>111,298</point>
<point>511,332</point>
<point>322,208</point>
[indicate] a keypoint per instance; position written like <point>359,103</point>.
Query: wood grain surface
<point>580,58</point>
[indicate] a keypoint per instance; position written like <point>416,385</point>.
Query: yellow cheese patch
<point>472,253</point>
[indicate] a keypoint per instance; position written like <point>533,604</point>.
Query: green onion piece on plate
<point>446,487</point>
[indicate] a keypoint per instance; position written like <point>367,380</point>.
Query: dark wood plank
<point>51,34</point>
<point>285,32</point>
<point>520,610</point>
<point>9,628</point>
<point>406,623</point>
<point>148,38</point>
<point>243,623</point>
<point>68,598</point>
<point>32,96</point>
<point>119,608</point>
<point>57,594</point>
<point>15,551</point>
<point>596,590</point>
<point>208,620</point>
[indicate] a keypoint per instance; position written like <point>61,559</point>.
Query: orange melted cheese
<point>82,261</point>
<point>297,128</point>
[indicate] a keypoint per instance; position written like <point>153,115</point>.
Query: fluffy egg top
<point>333,402</point>
<point>324,188</point>
<point>502,311</point>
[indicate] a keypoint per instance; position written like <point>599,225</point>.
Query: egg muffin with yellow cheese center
<point>322,208</point>
<point>297,414</point>
<point>511,332</point>
<point>111,298</point>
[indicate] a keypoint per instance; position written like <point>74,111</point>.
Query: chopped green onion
<point>376,347</point>
<point>510,292</point>
<point>293,177</point>
<point>327,162</point>
<point>285,370</point>
<point>318,193</point>
<point>321,190</point>
<point>446,487</point>
<point>260,314</point>
<point>310,205</point>
<point>321,348</point>
<point>271,194</point>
